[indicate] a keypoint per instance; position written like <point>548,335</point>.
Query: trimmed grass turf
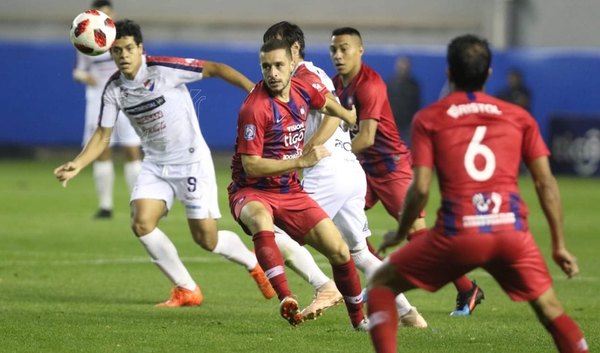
<point>72,284</point>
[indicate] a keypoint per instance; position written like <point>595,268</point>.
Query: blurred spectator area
<point>505,23</point>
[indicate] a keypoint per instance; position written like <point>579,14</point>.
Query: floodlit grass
<point>69,283</point>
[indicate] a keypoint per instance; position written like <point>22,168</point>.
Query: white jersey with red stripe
<point>339,144</point>
<point>160,108</point>
<point>338,182</point>
<point>100,67</point>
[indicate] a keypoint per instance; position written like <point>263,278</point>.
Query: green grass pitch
<point>72,284</point>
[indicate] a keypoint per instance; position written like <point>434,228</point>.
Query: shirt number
<point>476,148</point>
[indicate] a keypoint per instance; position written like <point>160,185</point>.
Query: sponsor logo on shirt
<point>488,207</point>
<point>249,132</point>
<point>145,106</point>
<point>456,111</point>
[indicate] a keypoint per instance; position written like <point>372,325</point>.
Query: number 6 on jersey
<point>477,149</point>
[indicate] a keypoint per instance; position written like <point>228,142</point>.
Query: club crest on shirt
<point>249,132</point>
<point>149,84</point>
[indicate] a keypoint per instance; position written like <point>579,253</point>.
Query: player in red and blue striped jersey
<point>266,190</point>
<point>382,153</point>
<point>475,143</point>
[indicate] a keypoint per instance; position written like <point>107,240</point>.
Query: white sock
<point>299,259</point>
<point>402,305</point>
<point>104,178</point>
<point>365,261</point>
<point>132,170</point>
<point>164,255</point>
<point>368,263</point>
<point>233,249</point>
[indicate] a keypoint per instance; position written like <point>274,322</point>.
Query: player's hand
<point>314,155</point>
<point>566,261</point>
<point>66,172</point>
<point>390,239</point>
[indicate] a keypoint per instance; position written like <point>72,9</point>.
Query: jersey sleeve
<point>82,62</point>
<point>109,107</point>
<point>251,130</point>
<point>370,99</point>
<point>315,81</point>
<point>178,70</point>
<point>422,142</point>
<point>533,145</point>
<point>317,99</point>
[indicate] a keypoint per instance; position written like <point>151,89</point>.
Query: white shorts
<point>123,133</point>
<point>195,185</point>
<point>340,188</point>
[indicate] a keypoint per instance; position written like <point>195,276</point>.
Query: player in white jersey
<point>338,183</point>
<point>151,92</point>
<point>94,72</point>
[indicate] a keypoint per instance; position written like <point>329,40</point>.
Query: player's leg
<point>130,142</point>
<point>150,201</point>
<point>421,263</point>
<point>567,336</point>
<point>299,259</point>
<point>102,167</point>
<point>352,222</point>
<point>145,216</point>
<point>258,220</point>
<point>384,286</point>
<point>228,244</point>
<point>104,179</point>
<point>133,164</point>
<point>195,186</point>
<point>326,239</point>
<point>520,270</point>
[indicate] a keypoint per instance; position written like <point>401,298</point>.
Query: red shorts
<point>390,188</point>
<point>512,258</point>
<point>296,213</point>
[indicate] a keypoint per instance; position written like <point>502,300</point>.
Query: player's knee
<point>206,240</point>
<point>256,220</point>
<point>142,227</point>
<point>547,306</point>
<point>387,276</point>
<point>338,253</point>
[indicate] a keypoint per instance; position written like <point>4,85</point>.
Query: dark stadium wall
<point>42,106</point>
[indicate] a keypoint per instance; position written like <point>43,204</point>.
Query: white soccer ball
<point>93,32</point>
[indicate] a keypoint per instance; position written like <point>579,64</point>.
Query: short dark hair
<point>127,28</point>
<point>287,31</point>
<point>346,31</point>
<point>274,44</point>
<point>96,4</point>
<point>469,59</point>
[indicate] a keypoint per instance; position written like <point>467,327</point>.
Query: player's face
<point>346,52</point>
<point>127,55</point>
<point>276,68</point>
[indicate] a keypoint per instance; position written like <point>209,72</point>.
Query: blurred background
<point>546,57</point>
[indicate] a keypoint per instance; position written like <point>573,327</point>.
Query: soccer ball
<point>93,32</point>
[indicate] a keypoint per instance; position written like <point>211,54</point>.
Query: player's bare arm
<point>415,201</point>
<point>92,150</point>
<point>366,135</point>
<point>227,73</point>
<point>84,77</point>
<point>333,108</point>
<point>256,166</point>
<point>548,193</point>
<point>326,129</point>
